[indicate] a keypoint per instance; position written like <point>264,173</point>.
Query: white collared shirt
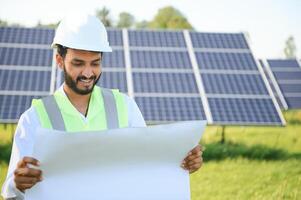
<point>24,139</point>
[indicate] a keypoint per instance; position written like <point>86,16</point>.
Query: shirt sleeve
<point>22,146</point>
<point>135,116</point>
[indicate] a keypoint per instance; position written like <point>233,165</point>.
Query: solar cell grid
<point>290,88</point>
<point>156,38</point>
<point>218,40</point>
<point>26,57</point>
<point>115,37</point>
<point>113,59</point>
<point>164,83</point>
<point>12,106</point>
<point>160,59</point>
<point>233,84</point>
<point>26,35</point>
<point>226,61</point>
<point>283,63</point>
<point>288,75</point>
<point>170,109</point>
<point>113,80</point>
<point>243,111</point>
<point>293,102</point>
<point>25,80</point>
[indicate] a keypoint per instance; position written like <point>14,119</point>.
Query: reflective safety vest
<point>107,110</point>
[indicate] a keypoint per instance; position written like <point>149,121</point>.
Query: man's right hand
<point>26,177</point>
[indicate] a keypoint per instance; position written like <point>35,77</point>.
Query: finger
<point>24,187</point>
<point>194,156</point>
<point>196,149</point>
<point>30,172</point>
<point>191,163</point>
<point>26,180</point>
<point>194,167</point>
<point>28,160</point>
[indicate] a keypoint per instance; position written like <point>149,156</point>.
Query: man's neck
<point>80,102</point>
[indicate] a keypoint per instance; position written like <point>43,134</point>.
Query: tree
<point>52,25</point>
<point>126,20</point>
<point>290,49</point>
<point>3,23</point>
<point>104,16</point>
<point>170,18</point>
<point>142,24</point>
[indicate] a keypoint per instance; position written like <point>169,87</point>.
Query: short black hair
<point>62,50</point>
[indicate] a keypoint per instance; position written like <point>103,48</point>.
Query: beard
<point>73,83</point>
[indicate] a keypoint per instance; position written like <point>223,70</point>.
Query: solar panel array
<point>234,85</point>
<point>285,78</point>
<point>25,69</point>
<point>173,75</point>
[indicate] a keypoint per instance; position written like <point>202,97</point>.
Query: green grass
<point>247,179</point>
<point>254,162</point>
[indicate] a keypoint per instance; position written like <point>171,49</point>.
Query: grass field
<point>254,162</point>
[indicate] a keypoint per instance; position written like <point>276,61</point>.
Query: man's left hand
<point>193,160</point>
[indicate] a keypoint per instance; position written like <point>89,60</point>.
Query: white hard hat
<point>82,32</point>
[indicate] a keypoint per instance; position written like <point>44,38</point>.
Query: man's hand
<point>26,177</point>
<point>193,160</point>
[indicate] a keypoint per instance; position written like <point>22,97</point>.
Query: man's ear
<point>59,61</point>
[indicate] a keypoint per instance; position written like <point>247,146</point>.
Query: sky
<point>268,22</point>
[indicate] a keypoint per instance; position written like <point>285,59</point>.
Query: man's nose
<point>87,72</point>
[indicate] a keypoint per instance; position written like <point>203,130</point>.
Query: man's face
<point>82,70</point>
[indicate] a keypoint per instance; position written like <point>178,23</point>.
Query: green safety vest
<point>107,110</point>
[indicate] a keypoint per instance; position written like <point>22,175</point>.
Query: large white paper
<point>125,164</point>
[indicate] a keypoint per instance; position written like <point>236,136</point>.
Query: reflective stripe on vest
<point>112,113</point>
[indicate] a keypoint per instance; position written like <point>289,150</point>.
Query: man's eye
<point>77,64</point>
<point>95,64</point>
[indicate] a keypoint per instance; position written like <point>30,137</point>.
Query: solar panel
<point>228,61</point>
<point>173,75</point>
<point>287,76</point>
<point>12,106</point>
<point>160,59</point>
<point>115,37</point>
<point>234,84</point>
<point>283,75</point>
<point>286,63</point>
<point>18,80</point>
<point>22,35</point>
<point>114,59</point>
<point>156,109</point>
<point>26,57</point>
<point>149,38</point>
<point>114,80</point>
<point>164,83</point>
<point>242,111</point>
<point>25,68</point>
<point>219,40</point>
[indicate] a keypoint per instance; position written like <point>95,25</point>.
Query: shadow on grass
<point>215,151</point>
<point>218,151</point>
<point>5,151</point>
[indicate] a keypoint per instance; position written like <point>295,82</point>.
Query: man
<point>78,105</point>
